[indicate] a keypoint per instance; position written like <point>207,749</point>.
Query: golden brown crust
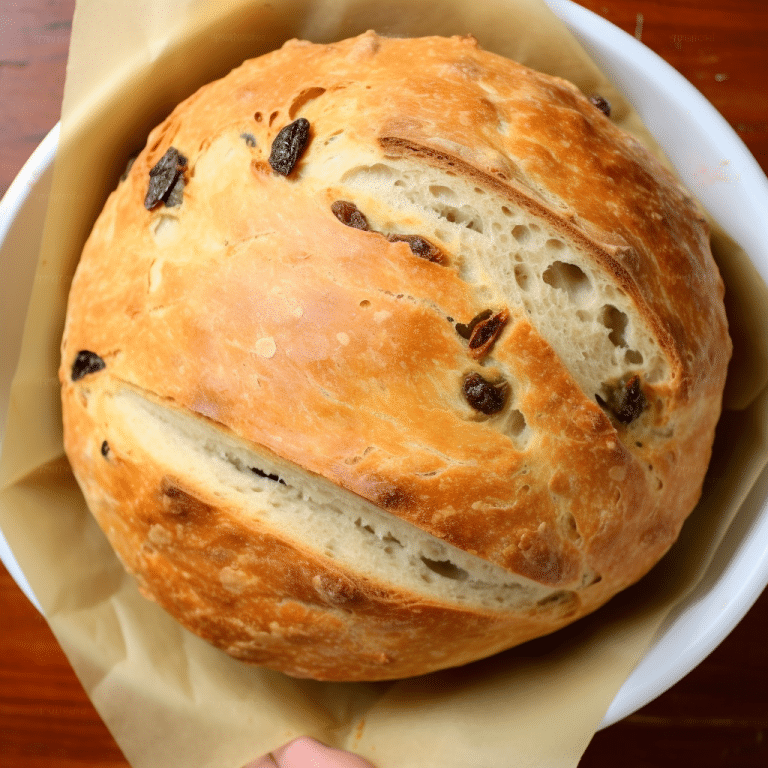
<point>235,583</point>
<point>253,306</point>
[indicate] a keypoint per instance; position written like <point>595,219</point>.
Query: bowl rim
<point>20,190</point>
<point>745,576</point>
<point>738,584</point>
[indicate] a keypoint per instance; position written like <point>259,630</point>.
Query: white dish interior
<point>712,162</point>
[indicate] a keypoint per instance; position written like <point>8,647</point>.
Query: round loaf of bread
<point>390,354</point>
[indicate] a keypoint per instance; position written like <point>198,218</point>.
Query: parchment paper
<point>170,699</point>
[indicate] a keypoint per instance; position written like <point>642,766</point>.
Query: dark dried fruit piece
<point>164,177</point>
<point>249,139</point>
<point>105,449</point>
<point>465,331</point>
<point>626,400</point>
<point>630,401</point>
<point>421,247</point>
<point>266,476</point>
<point>349,214</point>
<point>486,332</point>
<point>176,195</point>
<point>289,145</point>
<point>86,362</point>
<point>602,104</point>
<point>483,396</point>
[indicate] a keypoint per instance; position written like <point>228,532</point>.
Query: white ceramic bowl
<point>700,143</point>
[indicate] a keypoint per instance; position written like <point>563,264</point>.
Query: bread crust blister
<point>411,355</point>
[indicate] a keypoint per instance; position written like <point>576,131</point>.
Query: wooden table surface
<point>716,716</point>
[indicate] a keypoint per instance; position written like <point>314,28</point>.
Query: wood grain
<point>717,717</point>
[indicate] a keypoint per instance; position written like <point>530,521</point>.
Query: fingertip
<point>306,752</point>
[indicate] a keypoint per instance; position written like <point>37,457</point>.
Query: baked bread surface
<point>280,444</point>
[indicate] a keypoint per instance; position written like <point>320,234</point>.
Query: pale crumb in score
<point>265,347</point>
<point>342,338</point>
<point>381,315</point>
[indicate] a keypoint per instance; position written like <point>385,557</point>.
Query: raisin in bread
<point>390,354</point>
